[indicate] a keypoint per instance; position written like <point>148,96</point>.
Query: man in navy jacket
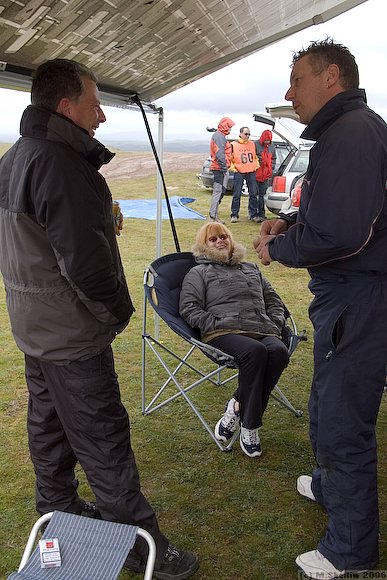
<point>340,235</point>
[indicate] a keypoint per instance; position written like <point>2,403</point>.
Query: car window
<point>300,162</point>
<point>281,154</point>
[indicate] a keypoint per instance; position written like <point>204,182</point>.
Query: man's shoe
<point>304,487</point>
<point>90,510</point>
<point>257,219</point>
<point>250,442</point>
<point>234,219</point>
<point>228,423</point>
<point>314,565</point>
<point>176,565</point>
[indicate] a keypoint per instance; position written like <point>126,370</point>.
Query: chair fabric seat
<point>90,549</point>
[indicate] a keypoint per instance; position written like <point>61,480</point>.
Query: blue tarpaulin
<point>146,208</point>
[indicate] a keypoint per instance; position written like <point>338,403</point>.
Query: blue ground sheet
<point>146,208</point>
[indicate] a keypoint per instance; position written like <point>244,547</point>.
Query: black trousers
<point>75,414</point>
<point>350,361</point>
<point>261,363</point>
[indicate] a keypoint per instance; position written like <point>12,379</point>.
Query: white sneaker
<point>228,423</point>
<point>304,487</point>
<point>234,219</point>
<point>316,566</point>
<point>250,442</point>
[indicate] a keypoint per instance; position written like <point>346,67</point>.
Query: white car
<point>280,191</point>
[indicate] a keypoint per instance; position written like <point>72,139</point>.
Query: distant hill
<point>178,146</point>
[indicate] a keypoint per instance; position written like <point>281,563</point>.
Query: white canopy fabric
<point>147,48</point>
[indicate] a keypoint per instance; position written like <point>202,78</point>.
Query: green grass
<point>242,516</point>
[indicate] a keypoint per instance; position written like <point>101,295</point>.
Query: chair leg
<point>150,563</point>
<point>285,402</point>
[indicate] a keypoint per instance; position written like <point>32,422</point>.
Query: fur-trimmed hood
<point>205,254</point>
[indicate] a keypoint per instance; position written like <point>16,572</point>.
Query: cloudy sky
<point>243,88</point>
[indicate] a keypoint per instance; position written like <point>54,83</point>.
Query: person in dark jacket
<point>340,235</point>
<point>267,157</point>
<point>67,299</point>
<point>236,310</point>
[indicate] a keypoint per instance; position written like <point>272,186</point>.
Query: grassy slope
<point>241,516</point>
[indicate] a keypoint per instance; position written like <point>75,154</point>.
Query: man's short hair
<point>325,52</point>
<point>57,79</point>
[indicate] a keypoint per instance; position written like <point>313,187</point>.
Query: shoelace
<point>230,420</point>
<point>251,436</point>
<point>171,553</point>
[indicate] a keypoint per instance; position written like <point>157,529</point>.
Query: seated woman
<point>236,310</point>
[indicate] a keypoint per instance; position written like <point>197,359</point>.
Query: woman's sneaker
<point>228,423</point>
<point>250,443</point>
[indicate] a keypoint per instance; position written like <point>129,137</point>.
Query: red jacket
<point>266,156</point>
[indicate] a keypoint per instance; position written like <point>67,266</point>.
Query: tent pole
<point>159,193</point>
<point>159,183</point>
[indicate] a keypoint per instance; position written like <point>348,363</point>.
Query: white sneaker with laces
<point>250,442</point>
<point>315,565</point>
<point>228,423</point>
<point>304,487</point>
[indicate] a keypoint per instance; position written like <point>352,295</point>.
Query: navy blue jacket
<point>341,226</point>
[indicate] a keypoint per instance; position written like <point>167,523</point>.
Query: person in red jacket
<point>220,152</point>
<point>267,158</point>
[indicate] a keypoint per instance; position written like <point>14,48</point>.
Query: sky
<point>245,87</point>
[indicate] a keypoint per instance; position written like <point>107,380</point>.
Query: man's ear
<point>64,107</point>
<point>333,75</point>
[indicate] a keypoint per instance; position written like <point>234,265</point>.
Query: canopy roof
<point>147,48</point>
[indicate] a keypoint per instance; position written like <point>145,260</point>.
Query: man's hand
<point>273,228</point>
<point>262,249</point>
<point>269,229</point>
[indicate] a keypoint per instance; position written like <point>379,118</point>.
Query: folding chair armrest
<point>220,356</point>
<point>32,539</point>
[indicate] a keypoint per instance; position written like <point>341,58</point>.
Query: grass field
<point>242,516</point>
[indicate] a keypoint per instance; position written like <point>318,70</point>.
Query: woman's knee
<point>279,355</point>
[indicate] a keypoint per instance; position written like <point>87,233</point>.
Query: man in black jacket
<point>67,299</point>
<point>340,235</point>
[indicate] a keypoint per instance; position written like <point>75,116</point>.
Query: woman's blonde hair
<point>208,230</point>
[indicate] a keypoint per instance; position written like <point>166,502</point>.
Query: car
<point>279,192</point>
<point>292,203</point>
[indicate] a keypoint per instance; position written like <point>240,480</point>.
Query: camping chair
<point>162,284</point>
<point>90,549</point>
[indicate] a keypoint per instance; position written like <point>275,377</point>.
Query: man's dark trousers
<point>75,414</point>
<point>349,315</point>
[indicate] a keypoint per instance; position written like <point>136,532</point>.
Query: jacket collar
<point>206,255</point>
<point>332,110</point>
<point>49,125</point>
